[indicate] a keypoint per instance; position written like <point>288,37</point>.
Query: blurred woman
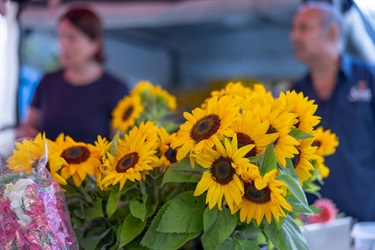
<point>78,99</point>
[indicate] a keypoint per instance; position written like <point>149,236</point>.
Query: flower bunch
<point>146,102</point>
<point>233,174</point>
<point>34,213</point>
<point>113,187</point>
<point>251,155</point>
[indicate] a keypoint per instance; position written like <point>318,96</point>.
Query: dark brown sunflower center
<point>126,162</point>
<point>296,159</point>
<point>316,144</point>
<point>243,140</point>
<point>255,195</point>
<point>76,154</point>
<point>205,127</point>
<point>170,154</point>
<point>222,170</point>
<point>127,113</point>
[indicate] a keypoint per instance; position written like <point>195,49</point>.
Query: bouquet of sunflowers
<point>232,175</point>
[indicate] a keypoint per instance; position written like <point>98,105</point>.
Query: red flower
<point>327,214</point>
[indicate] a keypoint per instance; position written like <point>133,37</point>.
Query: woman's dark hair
<point>89,24</point>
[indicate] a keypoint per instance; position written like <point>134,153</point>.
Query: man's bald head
<point>328,16</point>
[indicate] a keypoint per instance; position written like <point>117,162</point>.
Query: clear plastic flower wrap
<point>34,212</point>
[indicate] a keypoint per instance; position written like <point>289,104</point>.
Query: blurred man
<point>344,90</point>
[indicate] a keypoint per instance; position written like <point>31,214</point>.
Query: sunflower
<point>259,96</point>
<point>302,161</point>
<point>280,122</point>
<point>81,159</point>
<point>141,87</point>
<point>322,168</point>
<point>27,156</point>
<point>126,112</point>
<point>132,161</point>
<point>263,197</point>
<point>103,145</point>
<point>197,132</point>
<point>326,141</point>
<point>225,162</point>
<point>168,155</point>
<point>55,161</point>
<point>303,108</point>
<point>30,153</point>
<point>145,87</point>
<point>234,90</point>
<point>250,130</point>
<point>148,130</point>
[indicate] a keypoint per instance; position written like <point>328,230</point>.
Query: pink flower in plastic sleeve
<point>328,211</point>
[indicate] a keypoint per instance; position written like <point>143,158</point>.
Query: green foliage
<point>155,239</point>
<point>138,210</point>
<point>296,191</point>
<point>288,237</point>
<point>298,197</point>
<point>93,237</point>
<point>237,243</point>
<point>183,172</point>
<point>218,226</point>
<point>112,202</point>
<point>129,230</point>
<point>184,215</point>
<point>299,134</point>
<point>268,160</point>
<point>96,210</point>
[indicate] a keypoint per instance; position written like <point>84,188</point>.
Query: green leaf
<point>130,229</point>
<point>151,206</point>
<point>108,242</point>
<point>248,231</point>
<point>112,202</point>
<point>237,243</point>
<point>218,226</point>
<point>299,134</point>
<point>79,213</point>
<point>93,237</point>
<point>96,211</point>
<point>297,206</point>
<point>138,210</point>
<point>183,172</point>
<point>166,241</point>
<point>297,191</point>
<point>184,215</point>
<point>289,170</point>
<point>268,160</point>
<point>315,209</point>
<point>311,187</point>
<point>289,236</point>
<point>113,147</point>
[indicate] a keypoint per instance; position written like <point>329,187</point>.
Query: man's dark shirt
<point>350,114</point>
<point>82,112</point>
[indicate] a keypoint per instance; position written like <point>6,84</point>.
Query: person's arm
<point>31,126</point>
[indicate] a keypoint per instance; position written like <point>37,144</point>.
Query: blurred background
<point>189,47</point>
